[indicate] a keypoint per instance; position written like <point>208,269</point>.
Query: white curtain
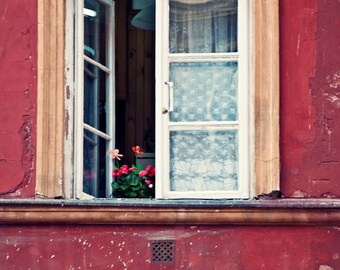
<point>203,26</point>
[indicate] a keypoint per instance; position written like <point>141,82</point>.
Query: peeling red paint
<point>310,156</point>
<point>196,247</point>
<point>310,99</point>
<point>18,61</point>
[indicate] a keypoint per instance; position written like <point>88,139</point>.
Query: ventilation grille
<point>162,251</point>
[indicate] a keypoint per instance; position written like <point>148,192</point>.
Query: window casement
<point>94,97</point>
<point>202,98</point>
<point>245,73</point>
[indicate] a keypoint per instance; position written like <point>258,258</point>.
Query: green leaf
<point>134,181</point>
<point>124,187</point>
<point>131,194</point>
<point>115,185</point>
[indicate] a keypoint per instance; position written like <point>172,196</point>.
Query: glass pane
<point>96,25</point>
<point>204,91</point>
<point>94,167</point>
<point>203,160</point>
<point>95,85</point>
<point>203,26</point>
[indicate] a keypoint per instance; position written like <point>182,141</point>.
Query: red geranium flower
<point>143,173</point>
<point>115,172</point>
<point>136,149</point>
<point>151,170</point>
<point>124,169</point>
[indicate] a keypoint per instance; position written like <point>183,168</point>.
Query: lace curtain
<point>203,26</point>
<point>204,91</point>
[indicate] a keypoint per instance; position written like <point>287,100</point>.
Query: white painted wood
<point>251,101</point>
<point>243,97</point>
<point>203,57</point>
<point>162,75</point>
<point>163,124</point>
<point>79,124</point>
<point>237,194</point>
<point>213,126</point>
<point>110,99</point>
<point>79,99</point>
<point>97,64</point>
<point>69,100</point>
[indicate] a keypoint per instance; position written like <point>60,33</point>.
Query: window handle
<point>170,96</point>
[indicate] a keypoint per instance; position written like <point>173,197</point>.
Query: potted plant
<point>133,181</point>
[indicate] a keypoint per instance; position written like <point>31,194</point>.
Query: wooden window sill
<point>172,212</point>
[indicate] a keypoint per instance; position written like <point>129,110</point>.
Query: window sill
<point>172,212</point>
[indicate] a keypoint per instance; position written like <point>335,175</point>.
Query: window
<point>94,97</point>
<point>177,54</point>
<point>202,83</point>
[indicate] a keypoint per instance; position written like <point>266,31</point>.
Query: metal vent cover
<point>163,251</point>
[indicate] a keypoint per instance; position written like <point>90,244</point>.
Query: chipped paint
<point>325,267</point>
<point>27,158</point>
<point>298,45</point>
<point>310,163</point>
<point>202,248</point>
<point>334,79</point>
<point>18,58</point>
<point>310,115</point>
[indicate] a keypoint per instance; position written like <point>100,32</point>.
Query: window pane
<point>203,26</point>
<point>95,86</point>
<point>204,91</point>
<point>203,160</point>
<point>94,167</point>
<point>96,18</point>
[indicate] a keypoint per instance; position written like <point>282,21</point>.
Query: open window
<point>201,93</point>
<point>192,76</point>
<point>202,99</point>
<point>94,97</point>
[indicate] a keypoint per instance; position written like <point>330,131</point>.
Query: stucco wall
<point>310,99</point>
<point>310,146</point>
<point>310,102</point>
<point>18,88</point>
<point>196,247</point>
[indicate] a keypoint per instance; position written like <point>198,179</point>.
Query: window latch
<point>170,98</point>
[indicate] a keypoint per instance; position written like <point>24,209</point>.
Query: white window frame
<point>55,98</point>
<point>79,124</point>
<point>163,125</point>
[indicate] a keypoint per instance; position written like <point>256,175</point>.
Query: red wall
<point>196,247</point>
<point>310,149</point>
<point>310,98</point>
<point>18,88</point>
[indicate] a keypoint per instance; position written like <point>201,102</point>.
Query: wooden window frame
<point>164,126</point>
<point>51,117</point>
<point>55,97</point>
<point>78,80</point>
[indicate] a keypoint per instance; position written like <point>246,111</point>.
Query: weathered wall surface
<point>310,149</point>
<point>196,247</point>
<point>310,98</point>
<point>18,85</point>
